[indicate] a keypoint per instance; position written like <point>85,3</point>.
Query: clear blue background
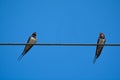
<point>59,21</point>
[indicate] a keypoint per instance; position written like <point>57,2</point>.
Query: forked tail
<point>20,57</point>
<point>94,60</point>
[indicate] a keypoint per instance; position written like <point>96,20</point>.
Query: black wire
<point>54,44</point>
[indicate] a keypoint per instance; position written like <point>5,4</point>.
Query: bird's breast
<point>101,41</point>
<point>32,40</point>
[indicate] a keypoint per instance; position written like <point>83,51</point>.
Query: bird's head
<point>34,34</point>
<point>102,35</point>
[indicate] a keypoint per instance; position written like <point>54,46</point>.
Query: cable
<point>55,44</point>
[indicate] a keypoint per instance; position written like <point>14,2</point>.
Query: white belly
<point>32,40</point>
<point>101,41</point>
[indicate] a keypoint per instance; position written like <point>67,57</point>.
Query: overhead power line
<point>56,44</point>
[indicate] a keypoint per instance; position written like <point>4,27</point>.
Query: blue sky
<point>59,21</point>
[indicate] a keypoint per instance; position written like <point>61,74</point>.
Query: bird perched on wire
<point>31,41</point>
<point>100,44</point>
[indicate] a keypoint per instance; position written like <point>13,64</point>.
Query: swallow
<point>100,44</point>
<point>31,41</point>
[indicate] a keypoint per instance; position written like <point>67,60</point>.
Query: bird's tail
<point>94,60</point>
<point>20,57</point>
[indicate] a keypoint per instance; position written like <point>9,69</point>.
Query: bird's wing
<point>26,49</point>
<point>99,47</point>
<point>98,51</point>
<point>27,46</point>
<point>28,39</point>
